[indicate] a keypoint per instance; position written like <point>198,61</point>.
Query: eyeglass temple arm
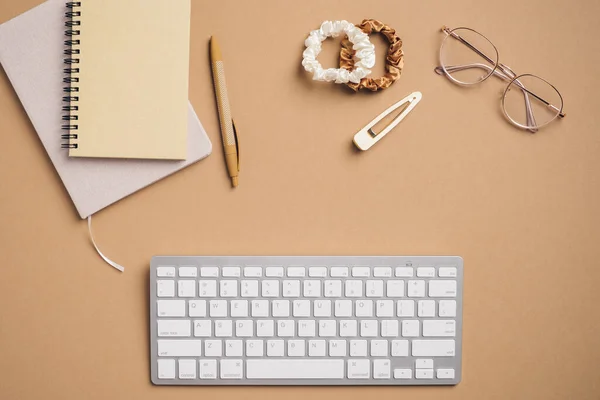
<point>456,36</point>
<point>529,110</point>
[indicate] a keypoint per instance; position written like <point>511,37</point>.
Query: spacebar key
<point>295,369</point>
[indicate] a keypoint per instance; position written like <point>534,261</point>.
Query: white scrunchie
<point>365,53</point>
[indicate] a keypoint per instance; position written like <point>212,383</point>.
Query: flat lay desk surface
<point>454,178</point>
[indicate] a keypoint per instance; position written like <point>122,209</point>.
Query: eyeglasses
<point>468,58</point>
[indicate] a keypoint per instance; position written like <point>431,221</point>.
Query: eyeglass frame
<point>502,71</point>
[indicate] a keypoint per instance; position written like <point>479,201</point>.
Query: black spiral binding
<point>70,92</point>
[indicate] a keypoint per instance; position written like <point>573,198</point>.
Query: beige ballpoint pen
<point>228,132</point>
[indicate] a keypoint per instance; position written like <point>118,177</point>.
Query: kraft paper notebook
<point>31,54</point>
<point>128,66</point>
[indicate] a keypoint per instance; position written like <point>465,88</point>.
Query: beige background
<point>455,178</point>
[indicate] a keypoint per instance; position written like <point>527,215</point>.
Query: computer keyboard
<point>300,320</point>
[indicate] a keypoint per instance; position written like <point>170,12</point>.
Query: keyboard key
<point>295,369</point>
<point>232,369</point>
<point>270,288</point>
<point>312,288</point>
<point>426,272</point>
<point>275,348</point>
<point>265,328</point>
<point>354,288</point>
<point>239,308</point>
<point>426,308</point>
<point>404,272</point>
<point>333,288</point>
<point>274,272</point>
<point>361,272</point>
<point>207,288</point>
<point>218,308</point>
<point>174,328</point>
<point>410,328</point>
<point>179,348</point>
<point>405,308</point>
<point>188,272</point>
<point>249,288</point>
<point>416,288</point>
<point>187,369</point>
<point>395,288</point>
<point>296,348</point>
<point>291,288</point>
<point>343,308</point>
<point>424,363</point>
<point>445,373</point>
<point>307,328</point>
<point>382,272</point>
<point>447,272</point>
<point>368,328</point>
<point>433,348</point>
<point>424,374</point>
<point>364,308</point>
<point>202,328</point>
<point>244,328</point>
<point>327,327</point>
<point>358,348</point>
<point>339,272</point>
<point>234,348</point>
<point>213,348</point>
<point>170,308</point>
<point>403,373</point>
<point>165,272</point>
<point>384,308</point>
<point>296,272</point>
<point>186,288</point>
<point>374,289</point>
<point>197,308</point>
<point>322,308</point>
<point>165,288</point>
<point>379,348</point>
<point>389,328</point>
<point>280,308</point>
<point>348,328</point>
<point>260,308</point>
<point>337,348</point>
<point>301,308</point>
<point>359,369</point>
<point>208,369</point>
<point>447,308</point>
<point>442,288</point>
<point>285,328</point>
<point>254,348</point>
<point>439,328</point>
<point>166,369</point>
<point>209,272</point>
<point>253,272</point>
<point>231,272</point>
<point>399,348</point>
<point>317,272</point>
<point>381,369</point>
<point>316,348</point>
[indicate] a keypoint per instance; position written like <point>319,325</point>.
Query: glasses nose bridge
<point>507,70</point>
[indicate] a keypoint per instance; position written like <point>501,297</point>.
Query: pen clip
<point>366,138</point>
<point>237,146</point>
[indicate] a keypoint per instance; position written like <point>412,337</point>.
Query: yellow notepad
<point>133,66</point>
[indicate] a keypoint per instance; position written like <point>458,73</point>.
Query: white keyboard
<point>306,320</point>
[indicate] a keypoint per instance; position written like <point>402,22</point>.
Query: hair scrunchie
<point>394,60</point>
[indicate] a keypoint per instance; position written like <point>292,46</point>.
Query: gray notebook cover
<point>31,53</point>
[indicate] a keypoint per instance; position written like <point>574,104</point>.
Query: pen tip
<point>234,181</point>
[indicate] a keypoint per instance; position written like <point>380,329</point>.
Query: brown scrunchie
<point>394,60</point>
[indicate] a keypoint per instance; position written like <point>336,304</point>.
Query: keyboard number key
<point>354,288</point>
<point>416,288</point>
<point>249,288</point>
<point>207,288</point>
<point>228,288</point>
<point>186,288</point>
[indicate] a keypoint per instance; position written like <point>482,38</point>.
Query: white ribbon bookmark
<point>106,259</point>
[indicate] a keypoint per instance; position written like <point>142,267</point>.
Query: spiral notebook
<point>127,75</point>
<point>31,54</point>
